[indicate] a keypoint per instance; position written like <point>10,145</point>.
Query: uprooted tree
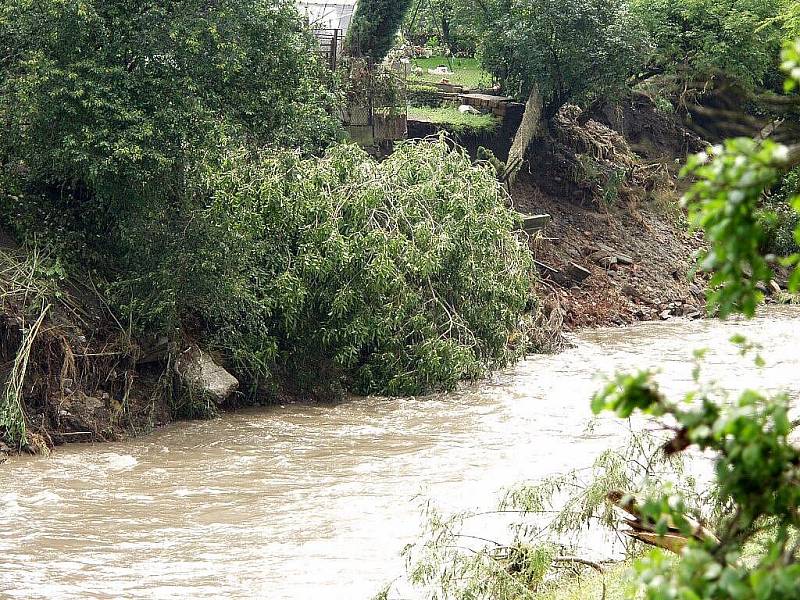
<point>552,53</point>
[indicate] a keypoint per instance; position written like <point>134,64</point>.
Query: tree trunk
<point>529,129</point>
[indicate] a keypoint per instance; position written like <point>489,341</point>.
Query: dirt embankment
<point>69,368</point>
<point>617,249</point>
<point>639,261</point>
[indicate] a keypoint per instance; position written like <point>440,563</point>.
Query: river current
<point>316,502</point>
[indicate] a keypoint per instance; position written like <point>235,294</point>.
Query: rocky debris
<point>201,375</point>
<point>534,223</point>
<point>639,259</point>
<point>576,273</point>
<point>606,256</point>
<point>86,416</point>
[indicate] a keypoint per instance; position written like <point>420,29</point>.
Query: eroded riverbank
<point>317,501</point>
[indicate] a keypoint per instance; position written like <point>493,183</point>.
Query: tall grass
<point>12,413</point>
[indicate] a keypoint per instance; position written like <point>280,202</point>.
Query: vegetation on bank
<point>190,168</point>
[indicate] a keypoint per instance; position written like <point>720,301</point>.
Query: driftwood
<point>643,530</point>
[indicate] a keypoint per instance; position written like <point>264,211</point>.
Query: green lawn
<point>466,71</point>
<point>453,121</point>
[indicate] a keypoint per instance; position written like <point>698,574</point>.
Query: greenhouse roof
<point>328,14</point>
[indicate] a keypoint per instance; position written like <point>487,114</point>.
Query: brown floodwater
<point>316,502</point>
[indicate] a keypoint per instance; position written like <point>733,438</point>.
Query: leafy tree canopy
<point>112,99</point>
<point>374,26</point>
<point>700,38</point>
<point>573,51</point>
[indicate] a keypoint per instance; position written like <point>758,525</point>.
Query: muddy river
<point>303,502</point>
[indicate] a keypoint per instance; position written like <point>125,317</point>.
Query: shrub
<point>424,94</point>
<point>110,106</point>
<point>402,276</point>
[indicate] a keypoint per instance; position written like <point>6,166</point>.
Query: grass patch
<point>466,71</point>
<point>589,586</point>
<point>453,121</point>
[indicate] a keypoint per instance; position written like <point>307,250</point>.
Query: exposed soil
<point>79,378</point>
<point>639,259</point>
<point>608,180</point>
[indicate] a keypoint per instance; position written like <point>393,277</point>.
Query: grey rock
<point>202,375</point>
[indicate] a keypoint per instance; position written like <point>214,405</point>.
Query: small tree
<point>697,39</point>
<point>374,25</point>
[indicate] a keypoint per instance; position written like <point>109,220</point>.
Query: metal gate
<point>329,45</point>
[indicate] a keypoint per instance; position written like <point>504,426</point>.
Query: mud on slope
<point>68,368</point>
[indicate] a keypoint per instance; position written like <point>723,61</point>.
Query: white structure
<point>328,14</point>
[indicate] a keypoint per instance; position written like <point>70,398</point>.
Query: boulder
<point>201,375</point>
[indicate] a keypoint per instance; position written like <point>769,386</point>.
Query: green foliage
<point>615,583</point>
<point>701,38</point>
<point>431,20</point>
<point>573,51</point>
<point>731,180</point>
<point>466,71</point>
<point>723,202</point>
<point>115,99</point>
<point>112,108</point>
<point>778,219</point>
<point>450,119</point>
<point>374,26</point>
<point>756,469</point>
<point>791,63</point>
<point>509,553</point>
<point>423,94</point>
<point>607,179</point>
<point>397,277</point>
